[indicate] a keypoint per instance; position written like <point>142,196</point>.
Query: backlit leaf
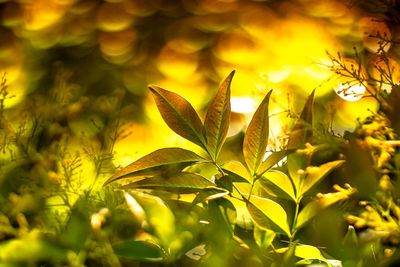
<point>279,183</point>
<point>296,163</point>
<point>322,202</point>
<point>315,174</point>
<point>238,172</point>
<point>263,238</point>
<point>232,149</point>
<point>256,136</point>
<point>268,214</point>
<point>183,183</point>
<point>271,161</point>
<point>139,250</point>
<point>31,249</point>
<point>158,215</point>
<point>360,168</point>
<point>210,194</point>
<point>308,252</point>
<point>299,136</point>
<point>164,160</point>
<point>179,115</point>
<point>302,131</point>
<point>216,123</point>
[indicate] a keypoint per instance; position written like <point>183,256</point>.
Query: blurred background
<point>88,64</point>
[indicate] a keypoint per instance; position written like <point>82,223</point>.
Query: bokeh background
<point>88,64</point>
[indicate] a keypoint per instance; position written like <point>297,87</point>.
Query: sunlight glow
<point>350,93</point>
<point>243,105</point>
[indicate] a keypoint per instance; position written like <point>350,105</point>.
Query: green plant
<point>273,204</point>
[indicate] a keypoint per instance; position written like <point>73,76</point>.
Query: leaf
<point>77,229</point>
<point>360,168</point>
<point>271,161</point>
<point>278,182</point>
<point>232,149</point>
<point>323,201</point>
<point>222,216</point>
<point>298,137</point>
<point>210,194</point>
<point>216,123</point>
<point>267,214</point>
<point>315,174</point>
<point>350,240</point>
<point>263,238</point>
<point>139,250</point>
<point>302,131</point>
<point>160,161</point>
<point>237,171</point>
<point>184,183</point>
<point>308,252</point>
<point>179,115</point>
<point>296,162</point>
<point>31,249</point>
<point>256,137</point>
<point>158,215</point>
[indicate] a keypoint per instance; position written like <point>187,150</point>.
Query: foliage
<point>275,202</point>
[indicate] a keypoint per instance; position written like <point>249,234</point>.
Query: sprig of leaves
<point>173,170</point>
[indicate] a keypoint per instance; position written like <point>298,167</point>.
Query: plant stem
<point>296,214</point>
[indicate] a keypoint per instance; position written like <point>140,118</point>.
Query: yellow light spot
<point>113,17</point>
<point>40,14</point>
<point>243,105</point>
<point>350,93</point>
<point>114,44</point>
<point>176,65</point>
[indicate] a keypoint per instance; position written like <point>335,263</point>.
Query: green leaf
<point>158,214</point>
<point>139,250</point>
<point>232,149</point>
<point>31,249</point>
<point>315,174</point>
<point>77,229</point>
<point>279,183</point>
<point>184,183</point>
<point>302,131</point>
<point>267,214</point>
<point>296,162</point>
<point>237,171</point>
<point>271,161</point>
<point>222,215</point>
<point>216,123</point>
<point>256,137</point>
<point>298,137</point>
<point>308,252</point>
<point>350,240</point>
<point>263,238</point>
<point>179,115</point>
<point>360,168</point>
<point>165,160</point>
<point>321,202</point>
<point>210,194</point>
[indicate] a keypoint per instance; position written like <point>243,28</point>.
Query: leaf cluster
<point>271,200</point>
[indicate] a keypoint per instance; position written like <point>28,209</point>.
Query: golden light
<point>345,113</point>
<point>117,44</point>
<point>386,72</point>
<point>41,14</point>
<point>243,105</point>
<point>350,92</point>
<point>113,17</point>
<point>374,31</point>
<point>177,65</point>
